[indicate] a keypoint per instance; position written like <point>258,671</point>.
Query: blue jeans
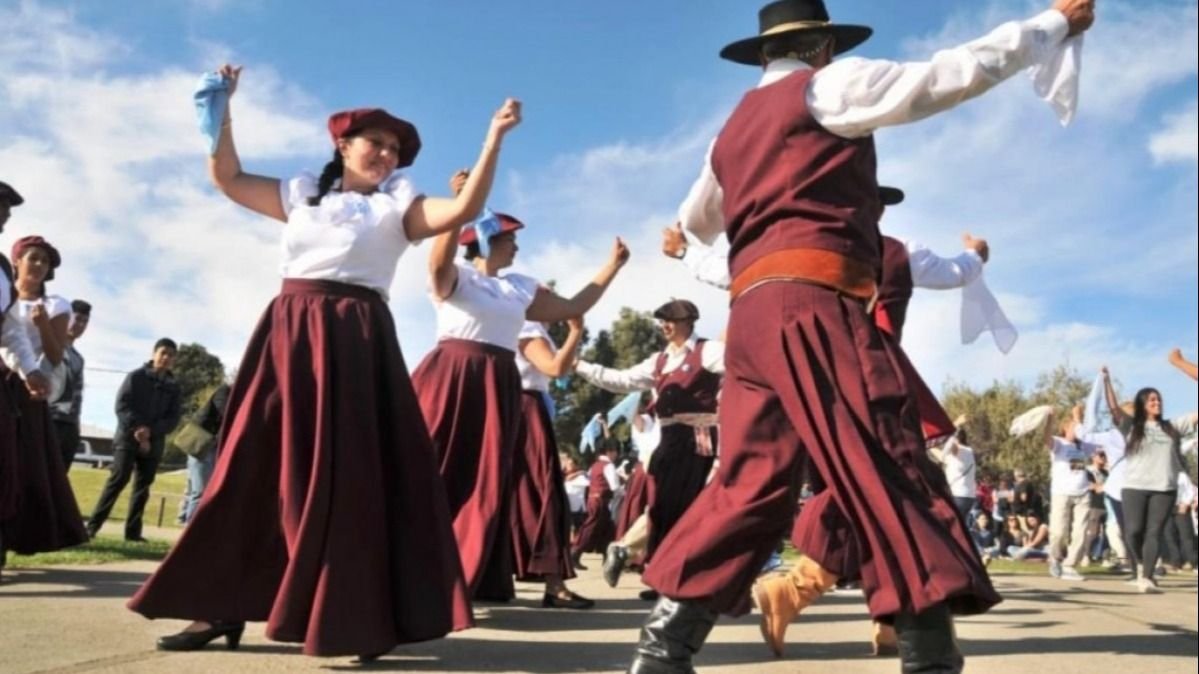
<point>1017,552</point>
<point>199,471</point>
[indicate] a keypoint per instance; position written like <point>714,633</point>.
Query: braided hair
<point>329,175</point>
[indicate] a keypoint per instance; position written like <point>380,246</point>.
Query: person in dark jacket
<point>199,468</point>
<point>148,408</point>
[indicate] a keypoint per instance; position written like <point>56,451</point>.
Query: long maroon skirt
<point>808,372</point>
<point>44,516</point>
<point>677,474</point>
<point>470,394</point>
<point>324,516</point>
<point>636,500</point>
<point>8,454</point>
<point>539,522</point>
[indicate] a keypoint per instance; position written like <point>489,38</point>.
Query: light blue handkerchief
<point>212,98</point>
<point>486,227</point>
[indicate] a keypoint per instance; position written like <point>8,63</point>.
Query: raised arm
<point>432,216</point>
<point>537,351</point>
<point>853,97</point>
<point>1113,404</point>
<point>709,264</point>
<point>640,377</point>
<point>549,307</point>
<point>1188,368</point>
<point>934,272</point>
<point>443,274</point>
<point>1047,436</point>
<point>257,193</point>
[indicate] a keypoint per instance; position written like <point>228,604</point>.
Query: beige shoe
<point>782,597</point>
<point>884,642</point>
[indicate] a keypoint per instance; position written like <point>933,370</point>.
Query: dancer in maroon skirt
<point>540,517</point>
<point>470,388</point>
<point>46,515</point>
<point>809,373</point>
<point>15,346</point>
<point>598,529</point>
<point>685,378</point>
<point>324,515</point>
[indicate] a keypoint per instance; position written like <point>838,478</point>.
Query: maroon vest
<point>789,183</point>
<point>598,487</point>
<point>894,287</point>
<point>687,389</point>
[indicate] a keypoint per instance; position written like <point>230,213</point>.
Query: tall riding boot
<point>674,631</point>
<point>782,597</point>
<point>927,644</point>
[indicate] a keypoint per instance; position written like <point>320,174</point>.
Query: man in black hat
<point>65,411</point>
<point>685,379</point>
<point>791,180</point>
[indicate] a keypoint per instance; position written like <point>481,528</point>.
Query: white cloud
<point>1178,139</point>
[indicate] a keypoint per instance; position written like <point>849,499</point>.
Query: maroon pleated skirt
<point>324,516</point>
<point>470,394</point>
<point>636,500</point>
<point>43,514</point>
<point>808,373</point>
<point>597,530</point>
<point>539,522</point>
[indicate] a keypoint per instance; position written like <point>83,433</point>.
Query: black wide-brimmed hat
<point>9,195</point>
<point>677,310</point>
<point>890,196</point>
<point>786,17</point>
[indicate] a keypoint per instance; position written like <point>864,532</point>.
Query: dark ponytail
<point>329,175</point>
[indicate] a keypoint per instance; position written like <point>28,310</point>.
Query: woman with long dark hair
<point>324,515</point>
<point>1153,459</point>
<point>46,516</point>
<point>470,388</point>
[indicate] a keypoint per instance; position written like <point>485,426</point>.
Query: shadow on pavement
<point>73,582</point>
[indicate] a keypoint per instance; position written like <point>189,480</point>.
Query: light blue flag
<point>591,433</point>
<point>212,98</point>
<point>625,409</point>
<point>486,227</point>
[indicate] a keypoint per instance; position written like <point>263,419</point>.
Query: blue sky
<point>1094,227</point>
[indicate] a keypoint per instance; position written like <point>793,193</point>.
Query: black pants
<point>126,462</point>
<point>67,433</point>
<point>1146,514</point>
<point>1180,540</point>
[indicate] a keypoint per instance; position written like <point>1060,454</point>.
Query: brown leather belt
<point>809,265</point>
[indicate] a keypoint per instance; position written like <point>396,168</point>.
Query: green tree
<point>632,338</point>
<point>198,373</point>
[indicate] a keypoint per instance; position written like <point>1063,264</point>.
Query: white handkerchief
<point>1056,79</point>
<point>981,313</point>
<point>1030,421</point>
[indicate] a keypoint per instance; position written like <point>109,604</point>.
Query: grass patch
<point>101,550</point>
<point>165,495</point>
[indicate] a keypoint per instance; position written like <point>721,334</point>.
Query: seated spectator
<point>985,537</point>
<point>1028,501</point>
<point>1003,496</point>
<point>1033,541</point>
<point>985,495</point>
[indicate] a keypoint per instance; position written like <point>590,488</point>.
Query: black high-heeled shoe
<point>194,641</point>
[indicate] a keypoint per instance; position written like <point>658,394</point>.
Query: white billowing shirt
<point>532,379</point>
<point>349,237</point>
<point>576,491</point>
<point>15,348</point>
<point>488,309</point>
<point>19,315</point>
<point>1068,474</point>
<point>646,440</point>
<point>960,469</point>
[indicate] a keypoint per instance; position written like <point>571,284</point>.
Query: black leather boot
<point>674,631</point>
<point>927,644</point>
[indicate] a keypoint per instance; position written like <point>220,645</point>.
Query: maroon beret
<point>26,242</point>
<point>346,122</point>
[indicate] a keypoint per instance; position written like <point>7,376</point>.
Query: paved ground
<point>71,619</point>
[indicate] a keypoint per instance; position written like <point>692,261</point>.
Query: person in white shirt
<point>1069,495</point>
<point>792,184</point>
<point>14,340</point>
<point>325,515</point>
<point>540,521</point>
<point>469,385</point>
<point>576,481</point>
<point>685,379</point>
<point>957,458</point>
<point>46,516</point>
